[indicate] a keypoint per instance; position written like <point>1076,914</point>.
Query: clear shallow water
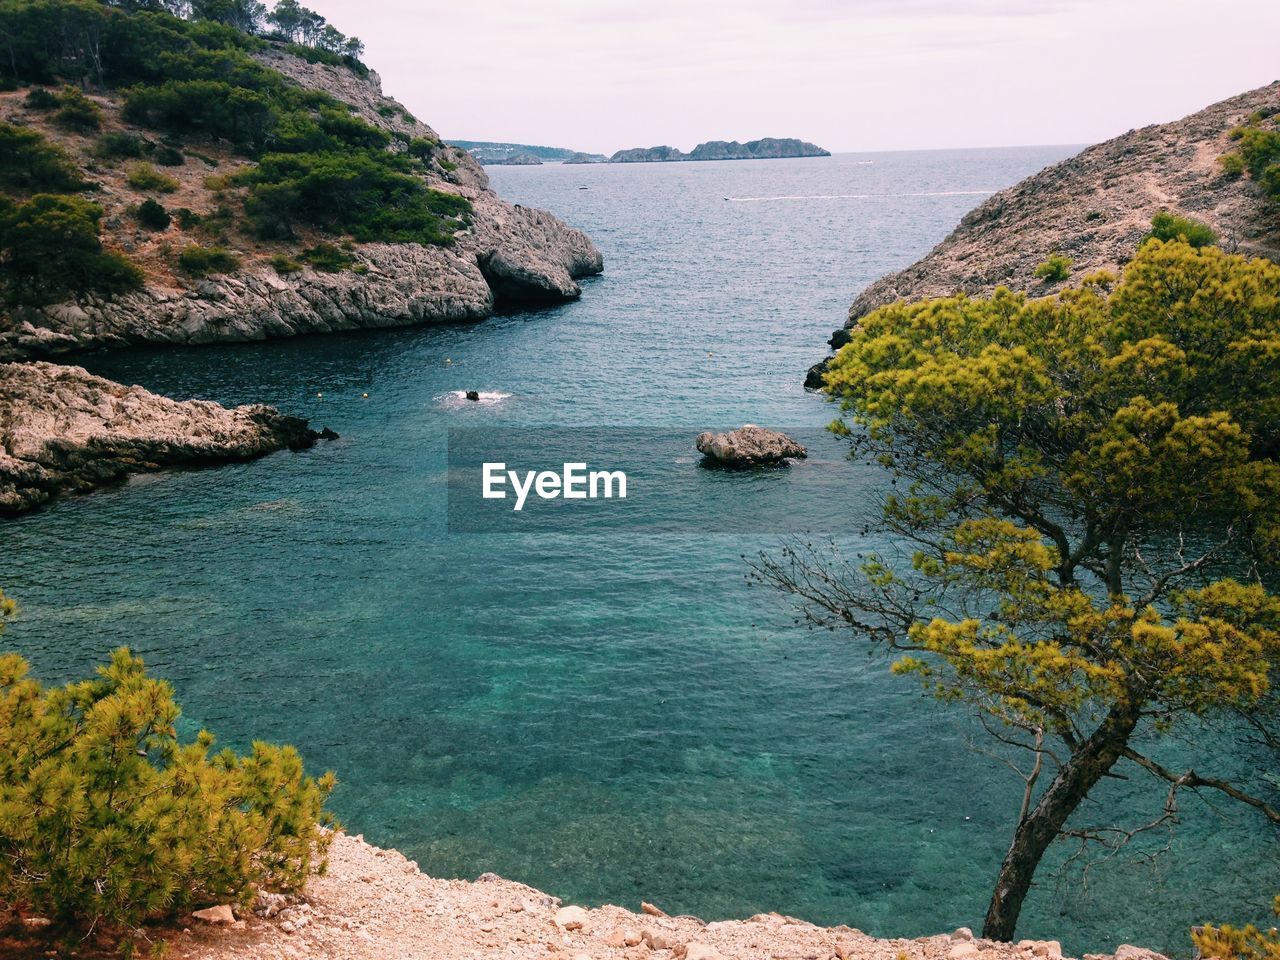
<point>604,717</point>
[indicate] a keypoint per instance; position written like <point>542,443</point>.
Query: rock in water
<point>63,430</point>
<point>748,446</point>
<point>473,394</point>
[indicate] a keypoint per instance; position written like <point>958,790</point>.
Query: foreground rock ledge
<point>63,430</point>
<point>748,446</point>
<point>375,905</point>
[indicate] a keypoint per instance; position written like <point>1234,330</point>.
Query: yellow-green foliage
<point>143,176</point>
<point>1055,269</point>
<point>1047,440</point>
<point>107,819</point>
<point>1239,943</point>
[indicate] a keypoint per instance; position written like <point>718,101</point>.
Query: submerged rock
<point>748,446</point>
<point>64,430</point>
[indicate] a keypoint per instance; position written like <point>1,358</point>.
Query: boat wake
<point>863,196</point>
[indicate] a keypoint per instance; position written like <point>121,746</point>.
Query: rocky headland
<point>504,254</point>
<point>1094,208</point>
<point>63,430</point>
<point>515,160</point>
<point>375,904</point>
<point>769,148</point>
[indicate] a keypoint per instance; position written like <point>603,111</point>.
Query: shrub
<point>1054,270</point>
<point>76,111</point>
<point>1168,226</point>
<point>168,156</point>
<point>327,258</point>
<point>38,98</point>
<point>143,176</point>
<point>49,250</point>
<point>201,261</point>
<point>285,264</point>
<point>153,215</point>
<point>117,143</point>
<point>108,820</point>
<point>29,162</point>
<point>187,218</point>
<point>1232,164</point>
<point>1239,943</point>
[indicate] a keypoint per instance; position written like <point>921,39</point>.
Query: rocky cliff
<point>508,253</point>
<point>63,430</point>
<point>1094,208</point>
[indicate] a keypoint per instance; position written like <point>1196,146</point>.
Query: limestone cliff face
<point>63,430</point>
<point>1095,208</point>
<point>509,253</point>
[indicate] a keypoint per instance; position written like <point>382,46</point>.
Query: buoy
<point>319,396</point>
<point>365,395</point>
<point>447,360</point>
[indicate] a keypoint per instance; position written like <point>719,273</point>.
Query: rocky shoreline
<point>63,430</point>
<point>1094,208</point>
<point>375,904</point>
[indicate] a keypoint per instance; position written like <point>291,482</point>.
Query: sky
<point>849,75</point>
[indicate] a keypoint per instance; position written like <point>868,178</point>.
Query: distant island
<point>492,153</point>
<point>769,148</point>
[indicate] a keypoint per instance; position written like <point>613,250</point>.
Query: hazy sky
<point>601,75</point>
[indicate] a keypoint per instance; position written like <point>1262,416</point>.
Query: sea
<point>613,711</point>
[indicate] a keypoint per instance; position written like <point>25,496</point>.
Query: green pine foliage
<point>50,251</point>
<point>77,112</point>
<point>153,215</point>
<point>201,261</point>
<point>1055,269</point>
<point>31,164</point>
<point>1258,151</point>
<point>108,819</point>
<point>1169,227</point>
<point>143,176</point>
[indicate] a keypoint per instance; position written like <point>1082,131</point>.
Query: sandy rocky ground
<point>375,904</point>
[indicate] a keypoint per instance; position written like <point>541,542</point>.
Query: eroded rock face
<point>1094,208</point>
<point>748,446</point>
<point>517,255</point>
<point>63,430</point>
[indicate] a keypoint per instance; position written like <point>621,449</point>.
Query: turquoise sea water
<point>612,716</point>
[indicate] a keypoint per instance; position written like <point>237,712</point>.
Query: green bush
<point>30,163</point>
<point>116,144</point>
<point>369,195</point>
<point>1054,270</point>
<point>327,258</point>
<point>168,156</point>
<point>143,176</point>
<point>187,218</point>
<point>201,261</point>
<point>1232,164</point>
<point>153,215</point>
<point>49,251</point>
<point>38,98</point>
<point>1168,226</point>
<point>285,264</point>
<point>76,111</point>
<point>108,820</point>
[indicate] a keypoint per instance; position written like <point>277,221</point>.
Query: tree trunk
<point>1087,765</point>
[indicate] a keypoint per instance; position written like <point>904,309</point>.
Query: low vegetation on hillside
<point>314,167</point>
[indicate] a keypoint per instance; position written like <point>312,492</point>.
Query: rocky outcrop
<point>663,154</point>
<point>1094,208</point>
<point>508,253</point>
<point>586,158</point>
<point>770,148</point>
<point>748,446</point>
<point>515,160</point>
<point>63,430</point>
<point>372,904</point>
